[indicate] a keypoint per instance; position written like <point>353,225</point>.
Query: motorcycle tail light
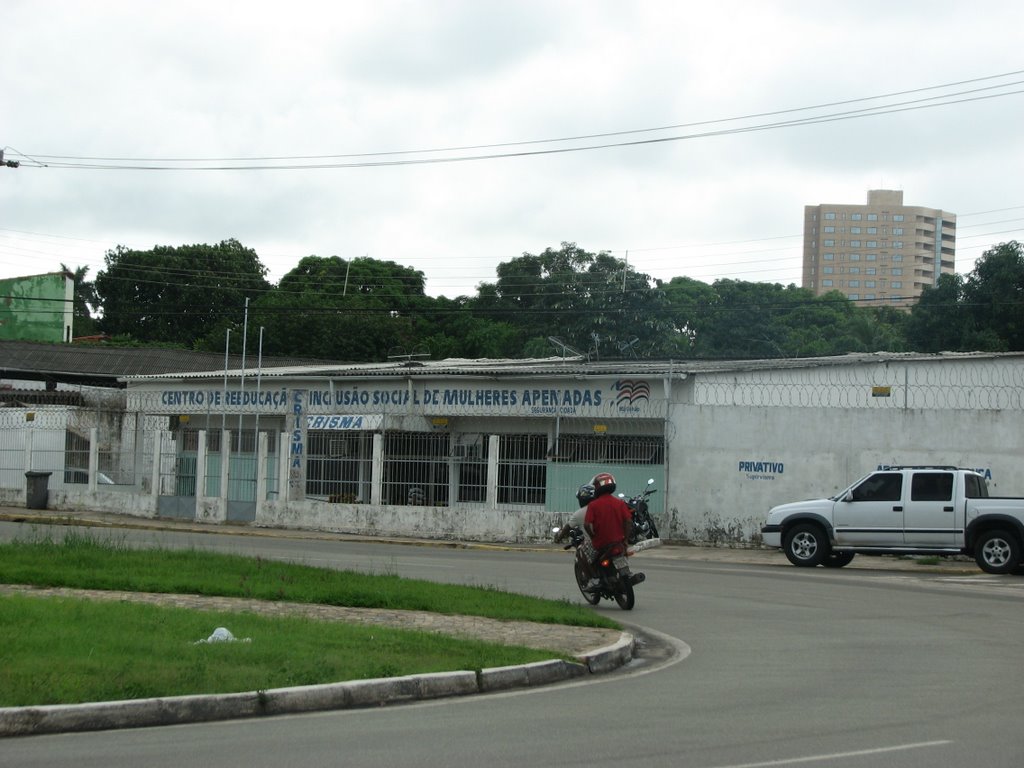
<point>605,563</point>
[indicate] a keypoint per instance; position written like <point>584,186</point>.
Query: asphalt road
<point>786,666</point>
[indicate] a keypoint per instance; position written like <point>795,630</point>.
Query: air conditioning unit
<point>466,450</point>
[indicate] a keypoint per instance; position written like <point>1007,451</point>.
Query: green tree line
<point>560,301</point>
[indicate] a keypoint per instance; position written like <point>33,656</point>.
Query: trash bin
<point>36,489</point>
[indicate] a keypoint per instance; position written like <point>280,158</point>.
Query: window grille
<point>339,466</point>
<point>522,469</point>
<point>416,468</point>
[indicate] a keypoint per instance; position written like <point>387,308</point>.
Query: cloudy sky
<point>452,135</point>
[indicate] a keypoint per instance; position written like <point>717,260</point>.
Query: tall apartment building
<point>880,254</point>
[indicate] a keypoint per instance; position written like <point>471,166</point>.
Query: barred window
<point>522,469</point>
<point>416,468</point>
<point>339,465</point>
<point>470,455</point>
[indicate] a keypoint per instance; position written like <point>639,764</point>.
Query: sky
<point>453,135</point>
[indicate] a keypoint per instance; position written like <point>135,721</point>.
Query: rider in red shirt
<point>608,518</point>
<point>609,521</point>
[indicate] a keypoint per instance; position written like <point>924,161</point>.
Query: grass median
<point>59,650</point>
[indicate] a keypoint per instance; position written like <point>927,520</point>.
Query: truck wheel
<point>997,552</point>
<point>806,545</point>
<point>837,559</point>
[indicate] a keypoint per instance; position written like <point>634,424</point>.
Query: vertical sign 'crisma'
<point>297,446</point>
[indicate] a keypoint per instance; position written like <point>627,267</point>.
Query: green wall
<point>37,308</point>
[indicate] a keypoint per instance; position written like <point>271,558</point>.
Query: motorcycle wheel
<point>581,581</point>
<point>624,595</point>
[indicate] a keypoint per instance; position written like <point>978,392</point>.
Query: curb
<point>356,694</point>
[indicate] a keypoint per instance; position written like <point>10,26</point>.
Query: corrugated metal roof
<point>561,367</point>
<point>101,364</point>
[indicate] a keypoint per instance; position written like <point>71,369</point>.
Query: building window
<point>855,243</point>
<point>826,283</point>
<point>869,270</point>
<point>872,244</point>
<point>415,470</point>
<point>872,230</point>
<point>830,216</point>
<point>869,284</point>
<point>854,230</point>
<point>870,256</point>
<point>828,256</point>
<point>896,284</point>
<point>897,270</point>
<point>522,469</point>
<point>897,243</point>
<point>854,257</point>
<point>897,217</point>
<point>828,243</point>
<point>853,284</point>
<point>829,229</point>
<point>855,217</point>
<point>897,257</point>
<point>339,465</point>
<point>872,217</point>
<point>828,270</point>
<point>853,296</point>
<point>897,230</point>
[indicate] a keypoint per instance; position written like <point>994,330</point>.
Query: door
<point>929,518</point>
<point>874,514</point>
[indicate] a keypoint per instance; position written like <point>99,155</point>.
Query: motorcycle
<point>615,582</point>
<point>644,528</point>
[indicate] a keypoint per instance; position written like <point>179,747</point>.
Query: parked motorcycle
<point>643,524</point>
<point>612,571</point>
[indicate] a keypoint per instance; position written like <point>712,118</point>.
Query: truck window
<point>881,486</point>
<point>975,487</point>
<point>931,486</point>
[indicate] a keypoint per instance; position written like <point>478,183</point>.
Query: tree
<point>739,319</point>
<point>360,310</point>
<point>592,302</point>
<point>176,295</point>
<point>993,297</point>
<point>687,306</point>
<point>937,320</point>
<point>85,303</point>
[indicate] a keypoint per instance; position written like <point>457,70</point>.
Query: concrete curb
<point>141,713</point>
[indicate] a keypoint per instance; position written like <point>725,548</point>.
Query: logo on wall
<point>631,392</point>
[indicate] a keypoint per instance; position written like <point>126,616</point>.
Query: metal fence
<point>432,469</point>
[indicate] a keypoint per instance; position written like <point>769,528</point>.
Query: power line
<point>298,162</point>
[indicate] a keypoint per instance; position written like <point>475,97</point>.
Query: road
<point>843,668</point>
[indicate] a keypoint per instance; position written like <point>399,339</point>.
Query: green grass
<point>65,650</point>
<point>82,561</point>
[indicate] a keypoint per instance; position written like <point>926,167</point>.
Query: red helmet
<point>603,482</point>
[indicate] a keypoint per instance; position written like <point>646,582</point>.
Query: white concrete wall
<point>729,465</point>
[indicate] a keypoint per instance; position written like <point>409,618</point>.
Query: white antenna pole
<point>259,376</point>
<point>223,405</point>
<point>241,381</point>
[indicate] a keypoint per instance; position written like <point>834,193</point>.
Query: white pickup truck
<point>903,510</point>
